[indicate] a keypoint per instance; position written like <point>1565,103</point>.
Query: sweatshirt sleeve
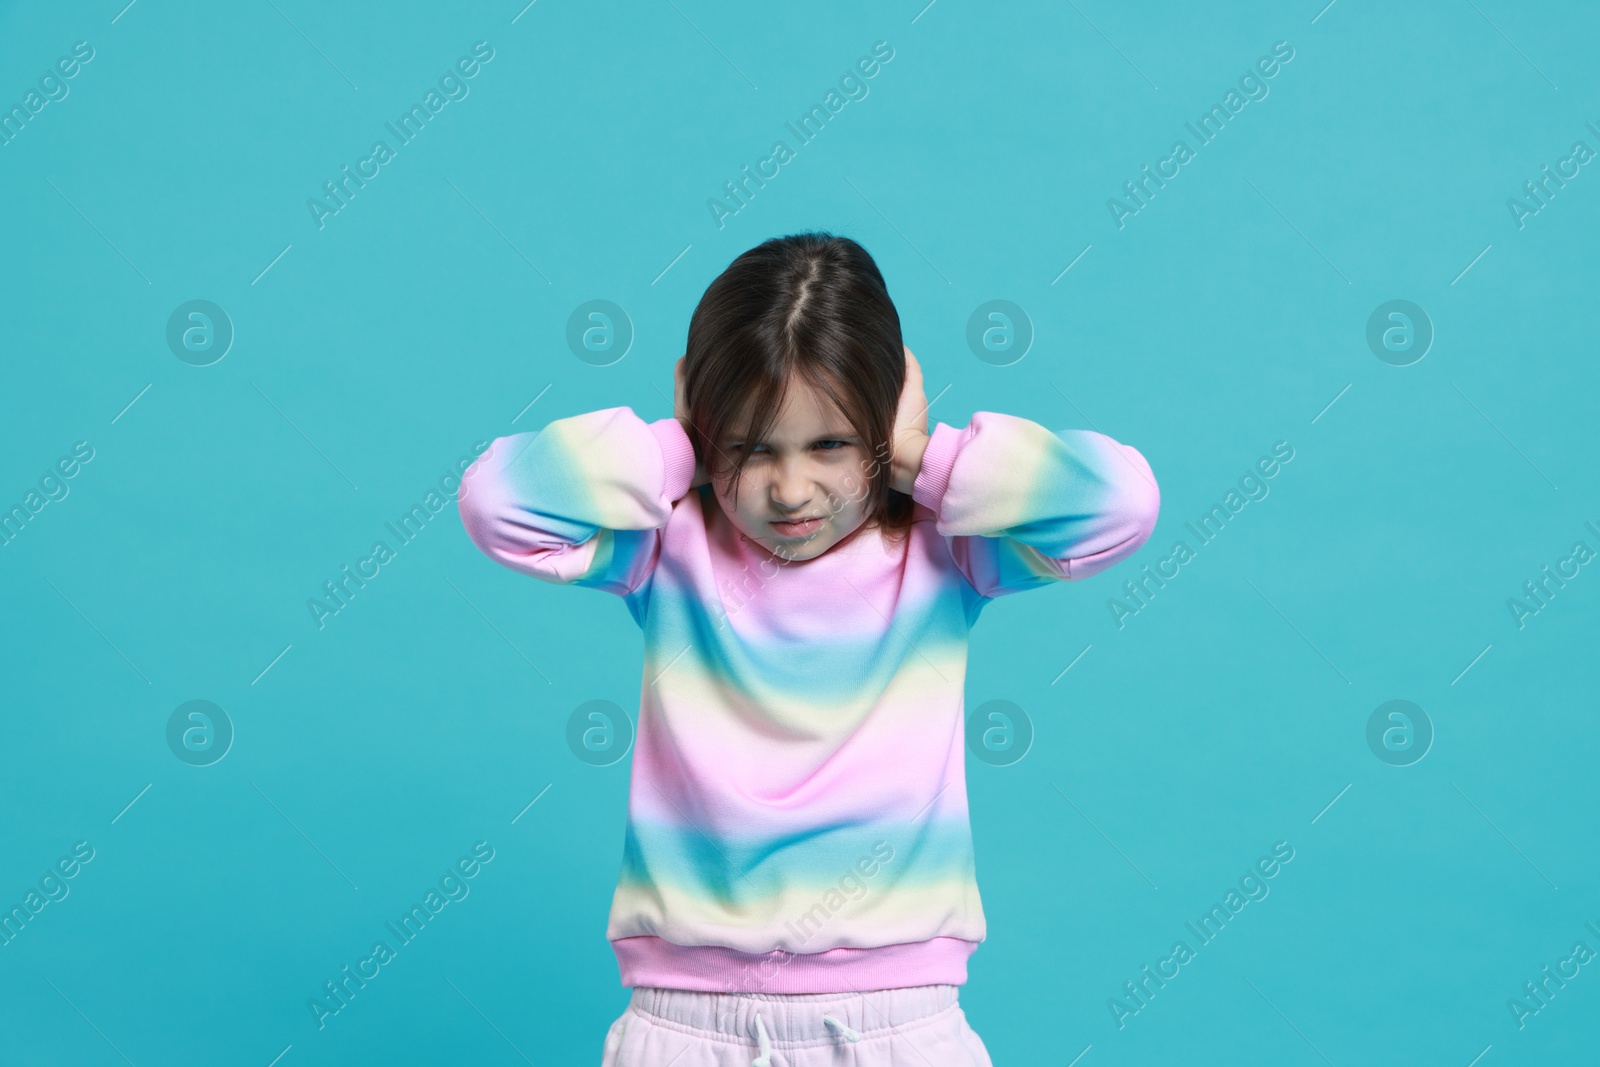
<point>1024,506</point>
<point>580,502</point>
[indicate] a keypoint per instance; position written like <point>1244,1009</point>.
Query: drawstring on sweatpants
<point>765,1059</point>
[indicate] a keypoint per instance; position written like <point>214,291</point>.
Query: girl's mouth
<point>802,528</point>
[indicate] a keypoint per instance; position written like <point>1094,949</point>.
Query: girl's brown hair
<point>812,305</point>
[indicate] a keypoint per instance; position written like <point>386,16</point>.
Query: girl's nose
<point>791,486</point>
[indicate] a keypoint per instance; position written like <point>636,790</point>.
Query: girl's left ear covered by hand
<point>910,439</point>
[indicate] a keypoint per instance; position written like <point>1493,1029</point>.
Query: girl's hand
<point>680,410</point>
<point>910,429</point>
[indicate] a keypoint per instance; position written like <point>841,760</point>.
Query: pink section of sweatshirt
<point>652,961</point>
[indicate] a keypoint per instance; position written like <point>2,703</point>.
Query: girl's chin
<point>795,548</point>
<point>798,548</point>
<point>809,548</point>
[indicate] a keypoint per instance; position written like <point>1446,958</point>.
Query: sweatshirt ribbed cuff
<point>937,461</point>
<point>678,452</point>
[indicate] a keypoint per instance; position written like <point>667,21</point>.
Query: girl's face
<point>812,466</point>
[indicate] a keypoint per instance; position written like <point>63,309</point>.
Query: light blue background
<point>1227,715</point>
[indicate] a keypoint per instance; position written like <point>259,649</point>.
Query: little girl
<point>806,560</point>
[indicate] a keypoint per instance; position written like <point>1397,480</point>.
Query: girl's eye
<point>829,445</point>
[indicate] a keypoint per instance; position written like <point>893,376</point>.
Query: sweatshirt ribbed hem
<point>653,961</point>
<point>678,452</point>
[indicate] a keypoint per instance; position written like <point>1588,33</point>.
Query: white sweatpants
<point>919,1026</point>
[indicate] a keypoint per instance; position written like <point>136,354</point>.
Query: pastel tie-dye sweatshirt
<point>797,813</point>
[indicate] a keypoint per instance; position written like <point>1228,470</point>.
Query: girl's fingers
<point>913,383</point>
<point>913,373</point>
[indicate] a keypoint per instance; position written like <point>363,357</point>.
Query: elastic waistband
<point>791,1020</point>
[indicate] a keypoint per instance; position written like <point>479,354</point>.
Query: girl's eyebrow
<point>836,435</point>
